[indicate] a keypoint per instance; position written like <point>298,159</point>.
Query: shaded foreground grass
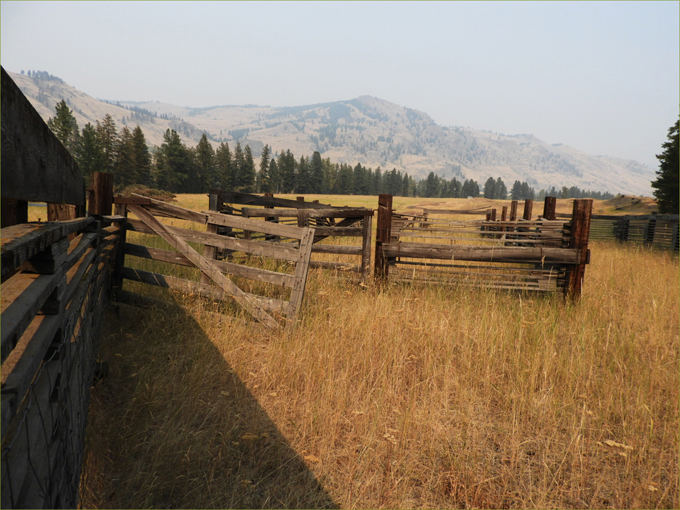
<point>401,397</point>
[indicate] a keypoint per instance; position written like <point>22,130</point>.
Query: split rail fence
<point>326,220</point>
<point>506,252</point>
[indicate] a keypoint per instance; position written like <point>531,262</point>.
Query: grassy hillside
<point>397,397</point>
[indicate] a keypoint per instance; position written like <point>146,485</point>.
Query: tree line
<point>177,168</point>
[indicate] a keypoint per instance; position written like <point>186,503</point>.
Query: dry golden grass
<point>398,397</point>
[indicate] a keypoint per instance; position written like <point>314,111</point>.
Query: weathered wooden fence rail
<point>543,254</point>
<point>295,252</point>
<point>353,223</point>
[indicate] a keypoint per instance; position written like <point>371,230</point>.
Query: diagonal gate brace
<point>206,266</point>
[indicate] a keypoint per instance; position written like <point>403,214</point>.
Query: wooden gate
<point>295,253</point>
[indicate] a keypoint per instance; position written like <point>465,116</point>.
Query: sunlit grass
<point>400,396</point>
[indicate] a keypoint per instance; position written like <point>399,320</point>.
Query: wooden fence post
<point>528,209</point>
<point>549,207</point>
<point>119,264</point>
<point>101,199</point>
<point>650,229</point>
<point>580,230</point>
<point>382,235</point>
<point>366,247</point>
<point>513,210</point>
<point>301,215</point>
<point>210,252</point>
<point>14,212</point>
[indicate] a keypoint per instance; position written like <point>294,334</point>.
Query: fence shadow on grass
<point>173,426</point>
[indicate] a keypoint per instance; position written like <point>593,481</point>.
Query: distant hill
<point>366,130</point>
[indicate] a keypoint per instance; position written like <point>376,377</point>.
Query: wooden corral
<point>352,222</point>
<point>294,250</point>
<point>542,254</point>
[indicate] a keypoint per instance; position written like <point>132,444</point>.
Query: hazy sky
<point>599,76</point>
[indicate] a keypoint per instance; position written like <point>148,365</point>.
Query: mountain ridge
<point>366,130</point>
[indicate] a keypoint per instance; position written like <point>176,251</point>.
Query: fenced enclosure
<point>541,254</point>
<point>353,223</point>
<point>283,264</point>
<point>55,289</point>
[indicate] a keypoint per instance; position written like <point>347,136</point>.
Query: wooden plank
<point>339,266</point>
<point>251,273</point>
<point>383,234</point>
<point>301,270</point>
<point>136,200</point>
<point>282,251</point>
<point>339,231</point>
<point>173,211</point>
<point>233,197</point>
<point>366,246</point>
<point>265,227</point>
<point>21,242</point>
<point>101,200</point>
<point>357,213</point>
<point>337,249</point>
<point>35,165</point>
<point>202,289</point>
<point>206,266</point>
<point>486,253</point>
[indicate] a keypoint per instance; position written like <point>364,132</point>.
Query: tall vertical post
<point>210,252</point>
<point>383,232</point>
<point>528,209</point>
<point>366,246</point>
<point>117,280</point>
<point>513,210</point>
<point>301,215</point>
<point>101,200</point>
<point>580,231</point>
<point>650,229</point>
<point>549,207</point>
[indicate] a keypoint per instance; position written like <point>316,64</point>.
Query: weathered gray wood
<point>233,197</point>
<point>337,249</point>
<point>339,231</point>
<point>265,227</point>
<point>485,253</point>
<point>206,266</point>
<point>173,211</point>
<point>358,213</point>
<point>301,270</point>
<point>366,247</point>
<point>202,289</point>
<point>251,273</point>
<point>339,266</point>
<point>35,165</point>
<point>280,251</point>
<point>21,242</point>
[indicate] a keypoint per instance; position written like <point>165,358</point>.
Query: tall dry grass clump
<point>399,397</point>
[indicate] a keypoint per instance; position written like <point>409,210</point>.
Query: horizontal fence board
<point>337,249</point>
<point>234,197</point>
<point>265,248</point>
<point>252,273</point>
<point>484,253</point>
<point>202,289</point>
<point>340,266</point>
<point>308,213</point>
<point>266,227</point>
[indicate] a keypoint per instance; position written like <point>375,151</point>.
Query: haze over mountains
<point>366,130</point>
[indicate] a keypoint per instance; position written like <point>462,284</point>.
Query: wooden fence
<point>294,250</point>
<point>506,252</point>
<point>354,223</point>
<point>55,289</point>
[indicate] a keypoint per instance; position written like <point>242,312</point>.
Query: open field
<point>397,397</point>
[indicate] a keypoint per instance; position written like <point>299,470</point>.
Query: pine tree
<point>274,177</point>
<point>237,163</point>
<point>501,189</point>
<point>107,135</point>
<point>141,156</point>
<point>172,163</point>
<point>666,184</point>
<point>248,170</point>
<point>125,169</point>
<point>316,177</point>
<point>490,188</point>
<point>223,162</point>
<point>205,165</point>
<point>287,166</point>
<point>432,185</point>
<point>302,177</point>
<point>65,126</point>
<point>516,192</point>
<point>90,157</point>
<point>263,183</point>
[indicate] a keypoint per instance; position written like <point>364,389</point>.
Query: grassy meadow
<point>398,396</point>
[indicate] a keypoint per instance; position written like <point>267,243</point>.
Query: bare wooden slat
<point>280,251</point>
<point>21,242</point>
<point>252,273</point>
<point>339,231</point>
<point>301,270</point>
<point>206,266</point>
<point>337,249</point>
<point>484,253</point>
<point>202,289</point>
<point>173,210</point>
<point>265,227</point>
<point>310,213</point>
<point>340,266</point>
<point>233,197</point>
